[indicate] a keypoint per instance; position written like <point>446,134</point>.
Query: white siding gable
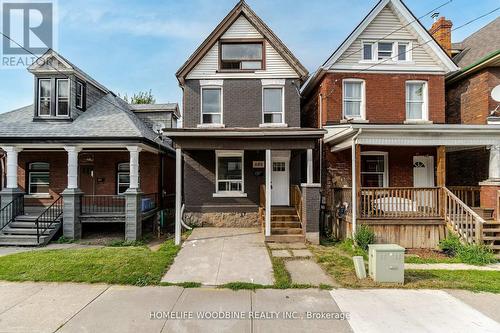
<point>388,21</point>
<point>276,66</point>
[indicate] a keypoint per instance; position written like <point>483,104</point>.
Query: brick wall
<point>385,97</point>
<point>468,101</point>
<point>468,167</point>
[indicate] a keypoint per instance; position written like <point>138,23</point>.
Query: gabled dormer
<point>61,90</point>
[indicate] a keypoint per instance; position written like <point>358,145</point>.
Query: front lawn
<point>115,265</point>
<point>338,263</point>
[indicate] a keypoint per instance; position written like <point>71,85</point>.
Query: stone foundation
<point>235,220</point>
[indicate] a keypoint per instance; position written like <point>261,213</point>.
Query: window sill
<point>52,118</point>
<point>38,196</point>
<point>271,125</point>
<point>229,195</point>
<point>354,121</point>
<point>210,126</point>
<point>417,122</point>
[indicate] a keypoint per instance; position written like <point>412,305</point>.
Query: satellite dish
<point>158,127</point>
<point>495,93</point>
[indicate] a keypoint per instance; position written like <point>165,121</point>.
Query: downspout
<point>354,182</point>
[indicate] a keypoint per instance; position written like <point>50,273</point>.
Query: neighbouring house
<point>381,98</point>
<point>79,154</point>
<point>242,154</point>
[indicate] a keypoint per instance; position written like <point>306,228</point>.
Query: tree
<point>142,97</point>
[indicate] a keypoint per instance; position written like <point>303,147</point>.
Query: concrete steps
<point>286,239</point>
<point>22,232</point>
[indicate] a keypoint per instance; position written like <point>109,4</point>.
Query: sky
<point>132,46</point>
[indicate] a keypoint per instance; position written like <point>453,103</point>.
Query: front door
<point>87,182</point>
<point>280,184</point>
<point>423,171</point>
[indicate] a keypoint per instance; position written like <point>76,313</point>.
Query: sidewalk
<point>56,307</point>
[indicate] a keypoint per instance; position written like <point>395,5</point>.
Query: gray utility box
<point>386,263</point>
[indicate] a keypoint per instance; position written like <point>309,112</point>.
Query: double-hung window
<point>241,56</point>
<point>80,95</point>
<point>273,105</point>
<point>353,99</point>
<point>44,97</point>
<point>122,178</point>
<point>229,173</point>
<point>38,178</point>
<point>62,92</point>
<point>416,100</point>
<point>374,171</point>
<point>211,105</point>
<point>384,50</point>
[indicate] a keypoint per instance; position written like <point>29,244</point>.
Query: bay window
<point>229,173</point>
<point>353,99</point>
<point>416,100</point>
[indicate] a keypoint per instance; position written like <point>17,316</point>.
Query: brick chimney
<point>441,31</point>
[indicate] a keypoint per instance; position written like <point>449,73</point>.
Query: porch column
<point>133,196</point>
<point>310,166</point>
<point>356,182</point>
<point>178,195</point>
<point>441,175</point>
<point>268,193</point>
<point>491,186</point>
<point>72,196</point>
<point>11,191</point>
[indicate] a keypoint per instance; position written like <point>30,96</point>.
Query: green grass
<point>436,260</point>
<point>182,284</point>
<point>114,265</point>
<point>244,286</point>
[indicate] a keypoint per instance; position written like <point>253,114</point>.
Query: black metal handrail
<point>11,211</point>
<point>103,204</point>
<point>48,217</point>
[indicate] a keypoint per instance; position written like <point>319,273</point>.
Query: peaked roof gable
<point>241,9</point>
<point>413,23</point>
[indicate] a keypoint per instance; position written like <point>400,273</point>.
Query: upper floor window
<point>273,105</point>
<point>416,100</point>
<point>44,97</point>
<point>354,99</point>
<point>38,178</point>
<point>80,95</point>
<point>211,105</point>
<point>241,55</point>
<point>385,50</point>
<point>62,106</point>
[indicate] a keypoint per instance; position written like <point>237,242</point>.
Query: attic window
<point>241,56</point>
<point>44,94</point>
<point>80,95</point>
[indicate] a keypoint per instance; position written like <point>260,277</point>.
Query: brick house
<point>242,151</point>
<point>381,98</point>
<point>80,154</point>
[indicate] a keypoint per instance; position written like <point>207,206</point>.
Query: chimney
<point>441,31</point>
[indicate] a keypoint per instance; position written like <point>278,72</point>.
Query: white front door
<point>280,181</point>
<point>423,171</point>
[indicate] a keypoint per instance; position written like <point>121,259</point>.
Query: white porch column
<point>178,195</point>
<point>12,153</point>
<point>354,181</point>
<point>310,166</point>
<point>134,166</point>
<point>269,168</point>
<point>494,167</point>
<point>72,166</point>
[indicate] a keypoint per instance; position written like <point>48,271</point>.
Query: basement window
<point>241,56</point>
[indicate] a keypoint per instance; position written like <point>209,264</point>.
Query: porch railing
<point>296,200</point>
<point>470,195</point>
<point>150,201</point>
<point>103,204</point>
<point>11,211</point>
<point>399,202</point>
<point>462,219</point>
<point>49,216</point>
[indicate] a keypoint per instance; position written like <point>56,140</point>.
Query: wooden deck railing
<point>296,201</point>
<point>470,195</point>
<point>399,202</point>
<point>462,219</point>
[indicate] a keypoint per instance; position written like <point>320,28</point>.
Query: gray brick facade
<point>310,211</point>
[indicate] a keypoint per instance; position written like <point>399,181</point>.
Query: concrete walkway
<point>454,267</point>
<point>215,256</point>
<point>57,307</point>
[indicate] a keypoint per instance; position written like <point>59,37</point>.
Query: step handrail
<point>48,217</point>
<point>470,229</point>
<point>11,211</point>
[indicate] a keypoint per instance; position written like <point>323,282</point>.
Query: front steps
<point>491,236</point>
<point>22,232</point>
<point>285,226</point>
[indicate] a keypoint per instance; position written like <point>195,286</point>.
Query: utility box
<point>386,263</point>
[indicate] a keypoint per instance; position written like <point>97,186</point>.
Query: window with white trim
<point>384,51</point>
<point>211,105</point>
<point>80,95</point>
<point>62,93</point>
<point>273,105</point>
<point>38,178</point>
<point>374,172</point>
<point>368,48</point>
<point>44,97</point>
<point>229,172</point>
<point>353,99</point>
<point>416,100</point>
<point>122,177</point>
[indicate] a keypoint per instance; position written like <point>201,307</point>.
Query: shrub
<point>476,254</point>
<point>450,245</point>
<point>364,236</point>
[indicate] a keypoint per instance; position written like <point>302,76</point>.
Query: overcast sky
<point>131,46</point>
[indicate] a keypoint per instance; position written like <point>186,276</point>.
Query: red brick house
<point>381,97</point>
<point>80,154</point>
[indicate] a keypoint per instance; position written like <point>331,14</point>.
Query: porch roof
<point>340,137</point>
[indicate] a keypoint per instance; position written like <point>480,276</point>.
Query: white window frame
<point>57,97</point>
<point>394,54</point>
<point>274,84</point>
<point>80,90</point>
<point>229,153</point>
<point>212,84</point>
<point>425,104</point>
<point>118,173</point>
<point>38,172</point>
<point>409,52</point>
<point>386,165</point>
<point>373,44</point>
<point>362,113</point>
<point>39,98</point>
